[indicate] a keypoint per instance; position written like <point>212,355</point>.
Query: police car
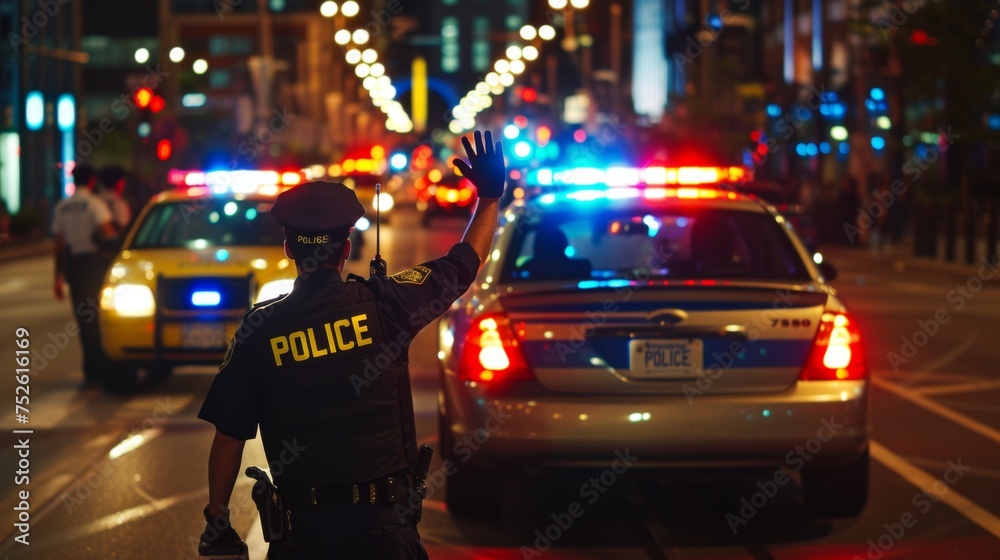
<point>654,311</point>
<point>197,257</point>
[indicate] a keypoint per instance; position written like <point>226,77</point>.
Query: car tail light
<point>836,353</point>
<point>491,353</point>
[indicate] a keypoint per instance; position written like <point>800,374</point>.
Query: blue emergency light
<point>206,298</point>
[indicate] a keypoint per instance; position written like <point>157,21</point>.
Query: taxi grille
<point>178,294</point>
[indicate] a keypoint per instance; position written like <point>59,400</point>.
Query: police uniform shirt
<point>256,364</point>
<point>77,218</point>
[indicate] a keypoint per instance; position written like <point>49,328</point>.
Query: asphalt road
<point>125,476</point>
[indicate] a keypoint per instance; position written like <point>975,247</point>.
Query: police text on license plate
<point>664,359</point>
<point>203,335</point>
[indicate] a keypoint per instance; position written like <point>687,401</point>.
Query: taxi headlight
<point>131,300</point>
<point>383,202</point>
<point>274,288</point>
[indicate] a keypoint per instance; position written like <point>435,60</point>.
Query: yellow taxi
<point>197,257</point>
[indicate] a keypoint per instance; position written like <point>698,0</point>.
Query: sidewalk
<point>901,257</point>
<point>12,249</point>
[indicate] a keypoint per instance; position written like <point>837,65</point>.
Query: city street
<point>125,476</point>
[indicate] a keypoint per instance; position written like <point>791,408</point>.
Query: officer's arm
<point>223,468</point>
<point>482,227</point>
<point>60,253</point>
<point>487,171</point>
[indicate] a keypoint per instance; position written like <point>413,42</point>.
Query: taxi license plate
<point>203,335</point>
<point>664,359</point>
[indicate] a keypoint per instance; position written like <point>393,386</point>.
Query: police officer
<point>323,372</point>
<point>79,224</point>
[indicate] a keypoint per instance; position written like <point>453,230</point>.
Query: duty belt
<point>386,490</point>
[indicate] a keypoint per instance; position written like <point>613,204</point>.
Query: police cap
<point>317,213</point>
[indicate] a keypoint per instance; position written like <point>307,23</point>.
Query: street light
<point>546,32</point>
<point>513,52</point>
<point>557,4</point>
<point>506,79</point>
<point>369,56</point>
<point>516,66</point>
<point>362,70</point>
<point>360,36</point>
<point>350,8</point>
<point>141,55</point>
<point>200,66</point>
<point>377,69</point>
<point>328,9</point>
<point>579,4</point>
<point>528,33</point>
<point>342,37</point>
<point>353,56</point>
<point>176,54</point>
<point>529,52</point>
<point>502,65</point>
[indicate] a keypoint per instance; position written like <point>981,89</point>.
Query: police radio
<point>377,268</point>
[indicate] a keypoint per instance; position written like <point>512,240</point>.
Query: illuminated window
<point>219,78</point>
<point>481,44</point>
<point>449,45</point>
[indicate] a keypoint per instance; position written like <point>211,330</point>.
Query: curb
<point>25,249</point>
<point>901,261</point>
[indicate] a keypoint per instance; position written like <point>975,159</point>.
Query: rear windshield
<point>653,243</point>
<point>207,222</point>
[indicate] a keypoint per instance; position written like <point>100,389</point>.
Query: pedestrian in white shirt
<point>79,223</point>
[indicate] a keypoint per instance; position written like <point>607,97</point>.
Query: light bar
<point>206,298</point>
<point>634,176</point>
<point>246,181</point>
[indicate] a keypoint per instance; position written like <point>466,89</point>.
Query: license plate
<point>203,335</point>
<point>663,359</point>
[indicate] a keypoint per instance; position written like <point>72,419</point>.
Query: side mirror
<point>828,271</point>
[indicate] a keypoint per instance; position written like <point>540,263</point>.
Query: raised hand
<point>485,167</point>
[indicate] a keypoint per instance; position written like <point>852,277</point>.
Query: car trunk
<point>696,336</point>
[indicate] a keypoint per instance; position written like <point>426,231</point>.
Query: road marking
<point>950,356</point>
<point>979,472</point>
<point>912,474</point>
<point>959,388</point>
<point>13,286</point>
<point>119,519</point>
<point>940,410</point>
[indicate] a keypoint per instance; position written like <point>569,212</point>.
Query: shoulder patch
<point>415,275</point>
<point>228,356</point>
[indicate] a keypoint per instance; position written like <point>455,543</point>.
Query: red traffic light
<point>529,95</point>
<point>143,96</point>
<point>156,104</point>
<point>920,37</point>
<point>164,149</point>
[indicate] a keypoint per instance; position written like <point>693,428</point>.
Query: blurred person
<point>549,260</point>
<point>337,413</point>
<point>79,224</point>
<point>112,193</point>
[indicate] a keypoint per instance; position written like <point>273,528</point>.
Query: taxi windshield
<point>208,222</point>
<point>653,243</point>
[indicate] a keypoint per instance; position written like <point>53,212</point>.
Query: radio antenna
<point>377,268</point>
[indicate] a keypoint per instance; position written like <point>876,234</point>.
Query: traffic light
<point>143,97</point>
<point>164,149</point>
<point>529,95</point>
<point>156,104</point>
